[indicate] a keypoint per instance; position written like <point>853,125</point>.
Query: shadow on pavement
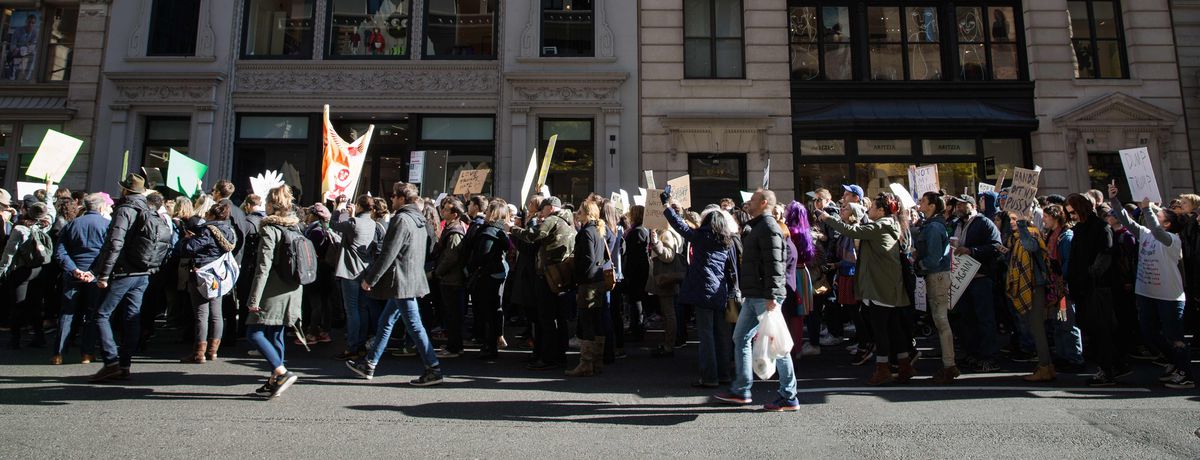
<point>557,411</point>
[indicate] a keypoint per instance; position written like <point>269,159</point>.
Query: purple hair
<point>797,222</point>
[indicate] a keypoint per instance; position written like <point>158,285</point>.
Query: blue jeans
<point>1068,341</point>
<point>270,342</point>
<point>124,294</point>
<point>716,345</point>
<point>977,304</point>
<point>79,298</point>
<point>407,310</point>
<point>747,325</point>
<point>1162,328</point>
<point>362,312</point>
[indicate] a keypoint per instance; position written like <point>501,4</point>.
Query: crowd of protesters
<point>1077,281</point>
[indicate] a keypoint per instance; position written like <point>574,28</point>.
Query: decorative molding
<point>531,40</point>
<point>717,132</point>
<point>588,89</point>
<point>1117,110</point>
<point>396,79</point>
<point>160,89</point>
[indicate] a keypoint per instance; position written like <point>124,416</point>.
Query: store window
<point>948,147</point>
<point>987,43</point>
<point>1001,155</point>
<point>369,28</point>
<point>820,43</point>
<point>6,142</point>
<point>460,29</point>
<point>572,173</point>
<point>568,28</point>
<point>162,135</point>
<point>954,177</point>
<point>1099,39</point>
<point>269,127</point>
<point>468,143</point>
<point>1103,169</point>
<point>173,27</point>
<point>279,29</point>
<point>715,177</point>
<point>812,176</point>
<point>37,44</point>
<point>712,39</point>
<point>60,43</point>
<point>458,128</point>
<point>904,43</point>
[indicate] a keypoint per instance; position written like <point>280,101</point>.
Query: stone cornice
<point>399,79</point>
<point>578,89</point>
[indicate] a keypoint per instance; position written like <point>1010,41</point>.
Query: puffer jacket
<point>113,261</point>
<point>706,283</point>
<point>762,272</point>
<point>203,247</point>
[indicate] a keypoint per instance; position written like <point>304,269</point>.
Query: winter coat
<point>667,258</point>
<point>80,241</point>
<point>762,271</point>
<point>933,247</point>
<point>19,235</point>
<point>399,271</point>
<point>878,276</point>
<point>1091,257</point>
<point>241,227</point>
<point>707,282</point>
<point>203,247</point>
<point>279,300</point>
<point>982,237</point>
<point>636,263</point>
<point>112,262</point>
<point>524,273</point>
<point>451,257</point>
<point>555,236</point>
<point>487,256</point>
<point>357,233</point>
<point>590,256</point>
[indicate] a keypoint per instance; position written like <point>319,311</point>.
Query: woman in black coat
<point>206,242</point>
<point>1093,272</point>
<point>590,257</point>
<point>487,268</point>
<point>636,269</point>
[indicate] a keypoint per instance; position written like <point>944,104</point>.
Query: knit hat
<point>552,202</point>
<point>320,211</point>
<point>857,211</point>
<point>5,198</point>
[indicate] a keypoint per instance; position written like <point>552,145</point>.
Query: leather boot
<point>586,360</point>
<point>1042,374</point>
<point>946,375</point>
<point>197,356</point>
<point>598,354</point>
<point>906,371</point>
<point>882,375</point>
<point>213,346</point>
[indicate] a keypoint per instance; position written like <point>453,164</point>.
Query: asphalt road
<point>641,407</point>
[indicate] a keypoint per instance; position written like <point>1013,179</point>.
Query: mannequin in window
<point>375,42</point>
<point>354,41</point>
<point>999,26</point>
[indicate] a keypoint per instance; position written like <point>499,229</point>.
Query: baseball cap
<point>964,198</point>
<point>855,189</point>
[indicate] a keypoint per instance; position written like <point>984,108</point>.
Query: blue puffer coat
<point>706,284</point>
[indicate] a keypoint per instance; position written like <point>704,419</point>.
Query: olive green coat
<point>878,278</point>
<point>278,299</point>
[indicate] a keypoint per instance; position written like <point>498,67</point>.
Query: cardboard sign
<point>902,194</point>
<point>925,179</point>
<point>649,179</point>
<point>546,161</point>
<point>1140,172</point>
<point>962,271</point>
<point>527,183</point>
<point>654,218</point>
<point>640,199</point>
<point>625,199</point>
<point>416,166</point>
<point>471,182</point>
<point>54,156</point>
<point>985,187</point>
<point>1022,194</point>
<point>920,296</point>
<point>184,175</point>
<point>681,190</point>
<point>618,202</point>
<point>27,188</point>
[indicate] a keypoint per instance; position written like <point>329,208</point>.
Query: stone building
<point>1186,15</point>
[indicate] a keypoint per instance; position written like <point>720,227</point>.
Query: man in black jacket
<point>977,236</point>
<point>761,279</point>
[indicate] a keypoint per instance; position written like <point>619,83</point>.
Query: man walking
<point>761,278</point>
<point>398,275</point>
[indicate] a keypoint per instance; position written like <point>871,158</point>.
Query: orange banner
<point>343,163</point>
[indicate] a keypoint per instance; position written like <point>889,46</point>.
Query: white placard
<point>902,194</point>
<point>618,202</point>
<point>625,199</point>
<point>639,200</point>
<point>1140,172</point>
<point>54,156</point>
<point>925,179</point>
<point>1023,193</point>
<point>746,196</point>
<point>919,295</point>
<point>416,166</point>
<point>649,178</point>
<point>27,188</point>
<point>530,173</point>
<point>962,272</point>
<point>985,187</point>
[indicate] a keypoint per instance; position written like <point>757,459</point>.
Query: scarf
<point>1021,270</point>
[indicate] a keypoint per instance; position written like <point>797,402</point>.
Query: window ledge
<point>565,60</point>
<point>170,59</point>
<point>716,82</point>
<point>1107,82</point>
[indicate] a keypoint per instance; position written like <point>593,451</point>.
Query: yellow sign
<point>546,162</point>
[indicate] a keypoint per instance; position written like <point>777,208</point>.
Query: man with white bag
<point>762,282</point>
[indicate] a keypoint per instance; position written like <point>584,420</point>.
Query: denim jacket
<point>933,247</point>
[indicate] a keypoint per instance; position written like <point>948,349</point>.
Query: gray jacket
<point>357,233</point>
<point>762,272</point>
<point>399,271</point>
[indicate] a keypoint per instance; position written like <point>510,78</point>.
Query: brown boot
<point>946,375</point>
<point>213,346</point>
<point>1042,374</point>
<point>906,371</point>
<point>56,360</point>
<point>197,356</point>
<point>586,367</point>
<point>882,375</point>
<point>598,354</point>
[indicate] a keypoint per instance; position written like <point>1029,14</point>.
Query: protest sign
<point>640,199</point>
<point>54,156</point>
<point>649,178</point>
<point>654,217</point>
<point>962,271</point>
<point>901,193</point>
<point>265,182</point>
<point>125,166</point>
<point>342,162</point>
<point>985,187</point>
<point>471,182</point>
<point>919,295</point>
<point>184,175</point>
<point>926,179</point>
<point>527,183</point>
<point>27,188</point>
<point>416,166</point>
<point>1140,172</point>
<point>1022,194</point>
<point>618,202</point>
<point>625,199</point>
<point>681,190</point>
<point>546,161</point>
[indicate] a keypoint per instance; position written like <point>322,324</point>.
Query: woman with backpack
<point>320,300</point>
<point>487,266</point>
<point>28,250</point>
<point>206,243</point>
<point>275,295</point>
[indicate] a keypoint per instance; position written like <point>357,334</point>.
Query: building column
<point>107,172</point>
<point>200,148</point>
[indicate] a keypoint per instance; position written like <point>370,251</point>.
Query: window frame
<point>307,55</point>
<point>742,170</point>
<point>713,38</point>
<point>592,138</point>
<point>42,67</point>
<point>821,43</point>
<point>542,33</point>
<point>904,43</point>
<point>493,4</point>
<point>1119,18</point>
<point>989,42</point>
<point>147,142</point>
<point>327,48</point>
<point>154,8</point>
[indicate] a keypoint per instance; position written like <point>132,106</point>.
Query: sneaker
<point>1168,375</point>
<point>680,344</point>
<point>829,340</point>
<point>324,338</point>
<point>809,350</point>
<point>405,352</point>
<point>363,368</point>
<point>730,398</point>
<point>282,383</point>
<point>1123,371</point>
<point>1180,382</point>
<point>267,388</point>
<point>432,376</point>
<point>347,355</point>
<point>106,373</point>
<point>1101,380</point>
<point>254,353</point>
<point>984,366</point>
<point>1162,361</point>
<point>863,357</point>
<point>443,353</point>
<point>782,405</point>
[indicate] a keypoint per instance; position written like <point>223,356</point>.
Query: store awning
<point>907,114</point>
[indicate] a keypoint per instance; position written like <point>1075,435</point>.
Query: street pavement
<point>641,407</point>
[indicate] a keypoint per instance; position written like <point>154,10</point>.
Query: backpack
<point>149,244</point>
<point>218,277</point>
<point>299,262</point>
<point>36,250</point>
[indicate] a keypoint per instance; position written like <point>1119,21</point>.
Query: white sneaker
<point>573,343</point>
<point>829,340</point>
<point>809,350</point>
<point>254,353</point>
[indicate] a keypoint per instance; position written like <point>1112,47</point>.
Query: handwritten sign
<point>1022,194</point>
<point>649,178</point>
<point>1140,172</point>
<point>625,199</point>
<point>618,202</point>
<point>906,199</point>
<point>416,166</point>
<point>653,218</point>
<point>962,271</point>
<point>919,295</point>
<point>681,190</point>
<point>54,156</point>
<point>471,182</point>
<point>925,179</point>
<point>985,187</point>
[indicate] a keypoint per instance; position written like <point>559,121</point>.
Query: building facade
<point>1186,19</point>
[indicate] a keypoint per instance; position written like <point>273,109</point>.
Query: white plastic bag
<point>773,342</point>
